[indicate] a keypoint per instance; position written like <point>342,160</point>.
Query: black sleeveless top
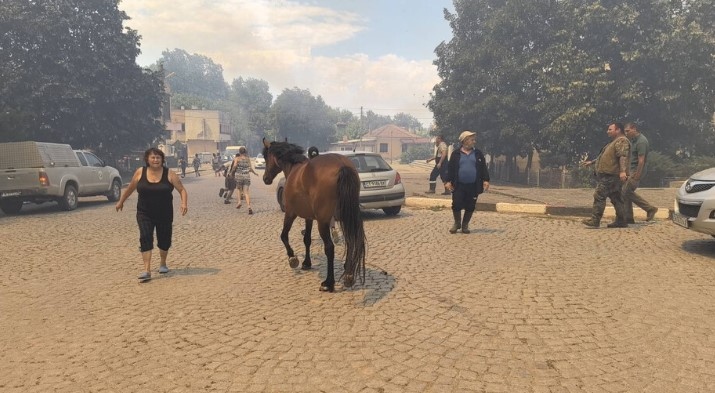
<point>155,199</point>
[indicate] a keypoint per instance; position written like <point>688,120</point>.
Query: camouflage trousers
<point>608,186</point>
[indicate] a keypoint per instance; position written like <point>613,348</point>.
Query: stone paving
<point>525,303</point>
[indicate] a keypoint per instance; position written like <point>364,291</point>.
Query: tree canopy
<point>551,74</point>
<point>69,75</point>
<point>194,74</point>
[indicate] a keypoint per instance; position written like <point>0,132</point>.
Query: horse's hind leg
<point>287,224</point>
<point>306,240</point>
<point>329,283</point>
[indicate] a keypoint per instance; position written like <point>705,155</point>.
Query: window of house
<point>383,148</point>
<point>405,146</point>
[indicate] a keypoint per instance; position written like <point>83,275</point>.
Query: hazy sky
<point>372,53</point>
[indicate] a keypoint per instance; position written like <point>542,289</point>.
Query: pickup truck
<point>41,172</point>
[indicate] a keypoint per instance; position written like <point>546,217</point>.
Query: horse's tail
<point>348,210</point>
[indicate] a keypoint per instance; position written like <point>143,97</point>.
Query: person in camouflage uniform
<point>611,167</point>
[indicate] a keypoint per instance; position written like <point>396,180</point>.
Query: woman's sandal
<point>238,206</point>
<point>250,211</point>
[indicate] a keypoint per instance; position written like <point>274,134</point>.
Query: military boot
<point>432,188</point>
<point>591,222</point>
<point>457,221</point>
<point>465,221</point>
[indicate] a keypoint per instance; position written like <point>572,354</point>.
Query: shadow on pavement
<point>704,247</point>
<point>378,282</point>
<point>189,271</point>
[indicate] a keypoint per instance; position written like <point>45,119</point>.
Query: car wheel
<point>392,210</point>
<point>279,196</point>
<point>11,206</point>
<point>69,199</point>
<point>115,192</point>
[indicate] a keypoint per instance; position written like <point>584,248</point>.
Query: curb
<point>531,208</point>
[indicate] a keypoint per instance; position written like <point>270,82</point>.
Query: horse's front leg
<point>306,240</point>
<point>329,283</point>
<point>287,224</point>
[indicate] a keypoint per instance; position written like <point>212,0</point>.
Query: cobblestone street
<point>524,303</point>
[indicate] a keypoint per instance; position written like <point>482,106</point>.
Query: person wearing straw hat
<point>467,177</point>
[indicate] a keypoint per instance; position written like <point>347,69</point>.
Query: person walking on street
<point>182,165</point>
<point>216,164</point>
<point>638,166</point>
<point>155,210</point>
<point>196,163</point>
<point>467,177</point>
<point>229,182</point>
<point>243,170</point>
<point>440,165</point>
<point>611,172</point>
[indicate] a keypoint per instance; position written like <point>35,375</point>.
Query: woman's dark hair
<point>154,150</point>
<point>242,150</point>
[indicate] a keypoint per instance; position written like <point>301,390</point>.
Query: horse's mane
<point>287,152</point>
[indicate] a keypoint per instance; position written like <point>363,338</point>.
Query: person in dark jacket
<point>467,177</point>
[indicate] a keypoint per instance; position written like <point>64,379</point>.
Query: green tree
<point>408,121</point>
<point>251,101</point>
<point>195,74</point>
<point>69,75</point>
<point>303,119</point>
<point>552,74</point>
<point>491,71</point>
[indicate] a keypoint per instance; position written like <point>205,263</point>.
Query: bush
<point>416,152</point>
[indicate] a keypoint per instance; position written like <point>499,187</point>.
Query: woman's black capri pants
<point>146,234</point>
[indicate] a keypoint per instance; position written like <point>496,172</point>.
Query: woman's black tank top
<point>155,199</point>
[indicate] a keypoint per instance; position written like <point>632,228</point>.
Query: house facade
<point>198,130</point>
<point>390,141</point>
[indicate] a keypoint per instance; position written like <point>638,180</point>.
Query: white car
<point>695,203</point>
<point>380,186</point>
<point>260,162</point>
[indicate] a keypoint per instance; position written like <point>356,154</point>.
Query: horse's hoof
<point>293,262</point>
<point>326,288</point>
<point>306,266</point>
<point>349,280</point>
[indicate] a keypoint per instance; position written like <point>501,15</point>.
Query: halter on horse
<point>319,189</point>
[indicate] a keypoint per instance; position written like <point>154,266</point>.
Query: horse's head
<point>272,167</point>
<point>280,156</point>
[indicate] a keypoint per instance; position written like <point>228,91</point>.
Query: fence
<point>557,178</point>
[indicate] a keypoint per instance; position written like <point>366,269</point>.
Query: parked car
<point>380,186</point>
<point>260,162</point>
<point>695,203</point>
<point>40,172</point>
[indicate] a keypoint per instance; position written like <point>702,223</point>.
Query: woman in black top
<point>155,211</point>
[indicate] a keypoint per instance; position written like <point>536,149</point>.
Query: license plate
<point>681,220</point>
<point>374,184</point>
<point>10,194</point>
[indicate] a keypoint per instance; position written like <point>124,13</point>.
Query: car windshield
<point>370,163</point>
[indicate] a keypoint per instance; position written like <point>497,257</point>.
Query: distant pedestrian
<point>611,173</point>
<point>229,182</point>
<point>243,170</point>
<point>155,210</point>
<point>440,165</point>
<point>197,164</point>
<point>183,165</point>
<point>216,164</point>
<point>637,169</point>
<point>467,177</point>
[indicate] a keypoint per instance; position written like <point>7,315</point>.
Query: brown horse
<point>319,189</point>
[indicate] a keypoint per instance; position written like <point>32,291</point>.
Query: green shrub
<point>416,152</point>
